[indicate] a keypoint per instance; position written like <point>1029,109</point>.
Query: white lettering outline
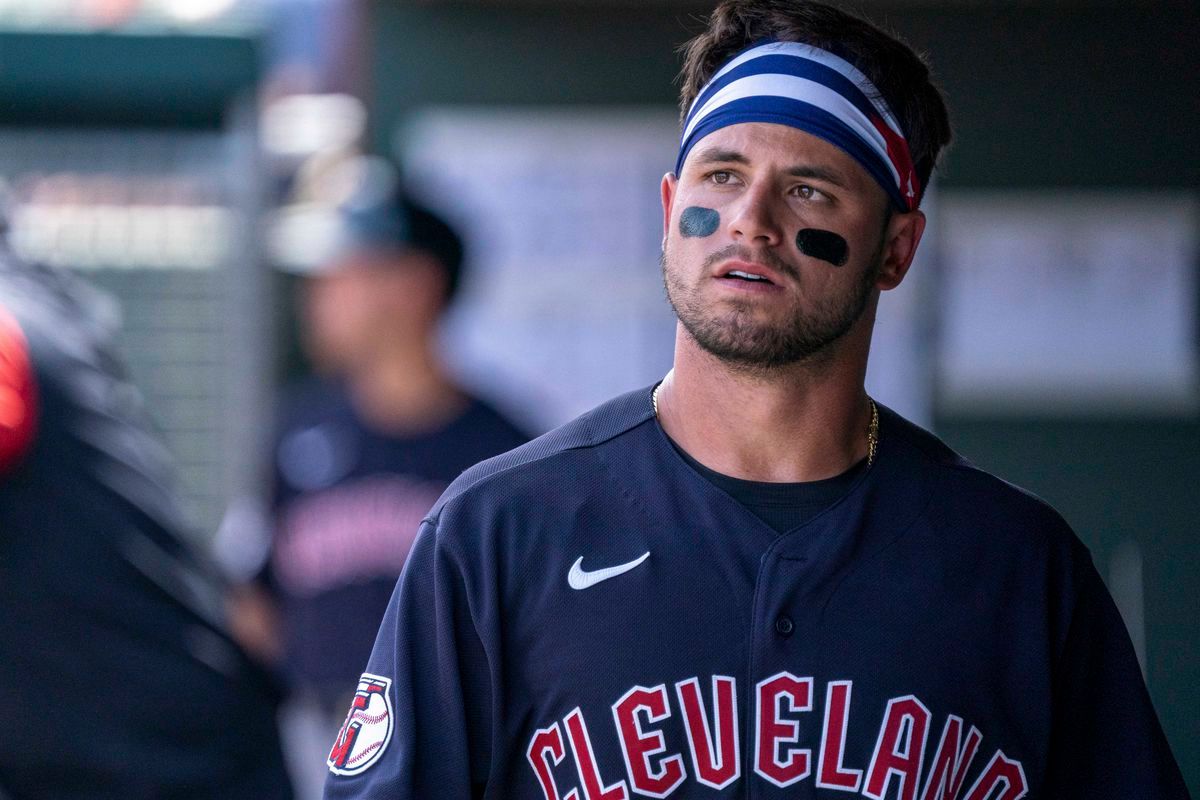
<point>714,747</point>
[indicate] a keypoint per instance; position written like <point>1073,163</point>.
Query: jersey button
<point>784,625</point>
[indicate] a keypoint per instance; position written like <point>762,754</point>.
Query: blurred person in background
<point>363,451</point>
<point>119,676</point>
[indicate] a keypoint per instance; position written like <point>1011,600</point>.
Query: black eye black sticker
<point>825,245</point>
<point>699,221</point>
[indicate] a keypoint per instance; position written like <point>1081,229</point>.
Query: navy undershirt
<point>783,506</point>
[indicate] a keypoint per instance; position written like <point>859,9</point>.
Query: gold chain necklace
<point>872,429</point>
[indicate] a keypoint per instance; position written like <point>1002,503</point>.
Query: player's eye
<point>806,192</point>
<point>721,177</point>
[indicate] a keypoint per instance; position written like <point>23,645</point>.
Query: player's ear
<point>901,238</point>
<point>669,184</point>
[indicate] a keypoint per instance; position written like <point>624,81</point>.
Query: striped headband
<point>811,89</point>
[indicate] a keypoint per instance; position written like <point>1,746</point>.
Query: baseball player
<point>118,674</point>
<point>361,457</point>
<point>753,580</point>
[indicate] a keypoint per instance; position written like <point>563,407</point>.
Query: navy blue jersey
<point>118,676</point>
<point>587,618</point>
<point>347,502</point>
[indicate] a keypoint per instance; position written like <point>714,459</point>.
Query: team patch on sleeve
<point>367,730</point>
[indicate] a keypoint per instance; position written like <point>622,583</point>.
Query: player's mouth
<point>748,275</point>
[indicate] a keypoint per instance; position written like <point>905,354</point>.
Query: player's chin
<point>753,319</point>
<point>739,335</point>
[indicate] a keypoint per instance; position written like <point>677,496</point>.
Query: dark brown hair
<point>902,76</point>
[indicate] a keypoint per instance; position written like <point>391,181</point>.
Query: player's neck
<point>801,423</point>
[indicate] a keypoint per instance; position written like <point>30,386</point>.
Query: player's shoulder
<point>959,489</point>
<point>553,462</point>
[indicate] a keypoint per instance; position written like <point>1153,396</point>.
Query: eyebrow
<point>818,173</point>
<point>722,155</point>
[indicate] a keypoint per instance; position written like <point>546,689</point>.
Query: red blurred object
<point>18,394</point>
<point>108,13</point>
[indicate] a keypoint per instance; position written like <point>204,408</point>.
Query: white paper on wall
<point>1068,302</point>
<point>565,306</point>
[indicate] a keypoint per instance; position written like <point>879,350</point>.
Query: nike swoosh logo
<point>579,579</point>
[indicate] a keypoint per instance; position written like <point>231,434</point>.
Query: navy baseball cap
<point>374,213</point>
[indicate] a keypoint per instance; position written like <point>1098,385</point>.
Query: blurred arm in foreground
<point>119,674</point>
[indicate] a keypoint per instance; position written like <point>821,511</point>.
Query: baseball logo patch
<point>367,730</point>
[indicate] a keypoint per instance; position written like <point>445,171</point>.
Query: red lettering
<point>715,763</point>
<point>344,743</point>
<point>830,772</point>
<point>346,737</point>
<point>638,746</point>
<point>773,731</point>
<point>900,749</point>
<point>548,741</point>
<point>1000,771</point>
<point>952,761</point>
<point>585,762</point>
<point>711,723</point>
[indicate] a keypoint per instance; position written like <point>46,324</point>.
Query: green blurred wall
<point>114,79</point>
<point>1041,98</point>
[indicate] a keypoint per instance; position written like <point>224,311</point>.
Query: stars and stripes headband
<point>811,89</point>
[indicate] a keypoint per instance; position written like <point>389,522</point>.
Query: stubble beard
<point>733,334</point>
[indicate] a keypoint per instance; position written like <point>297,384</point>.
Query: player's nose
<point>754,219</point>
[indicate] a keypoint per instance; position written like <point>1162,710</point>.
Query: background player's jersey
<point>346,504</point>
<point>117,676</point>
<point>588,618</point>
